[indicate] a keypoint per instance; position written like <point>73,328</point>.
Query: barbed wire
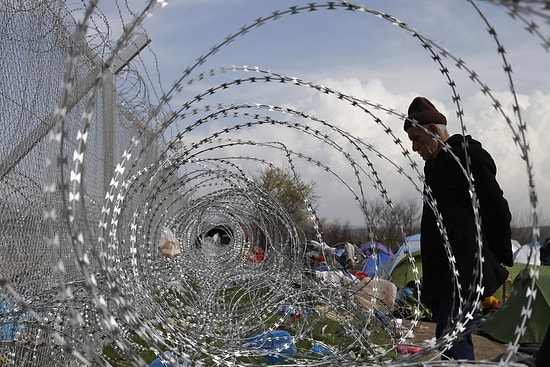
<point>127,244</point>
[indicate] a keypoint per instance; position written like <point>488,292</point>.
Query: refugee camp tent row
<point>399,268</point>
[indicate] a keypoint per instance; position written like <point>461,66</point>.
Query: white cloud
<point>371,59</point>
<point>481,119</point>
<point>488,126</point>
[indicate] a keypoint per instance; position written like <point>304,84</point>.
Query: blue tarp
<point>13,324</point>
<point>170,359</point>
<point>279,342</point>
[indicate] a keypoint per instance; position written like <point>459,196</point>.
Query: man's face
<point>422,142</point>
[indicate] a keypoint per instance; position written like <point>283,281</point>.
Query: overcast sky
<point>366,56</point>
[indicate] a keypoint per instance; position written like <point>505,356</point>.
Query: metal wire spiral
<point>96,288</point>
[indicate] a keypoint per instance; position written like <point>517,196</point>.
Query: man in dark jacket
<point>449,212</point>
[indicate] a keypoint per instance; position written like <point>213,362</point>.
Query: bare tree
<point>389,224</point>
<point>522,228</point>
<point>334,232</point>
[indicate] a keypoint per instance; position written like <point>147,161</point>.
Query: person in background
<point>545,252</point>
<point>449,187</point>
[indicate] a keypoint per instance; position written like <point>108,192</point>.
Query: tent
<point>398,268</point>
<point>502,323</point>
<point>515,246</point>
<point>374,265</point>
<point>528,254</point>
<point>368,247</point>
<point>376,256</point>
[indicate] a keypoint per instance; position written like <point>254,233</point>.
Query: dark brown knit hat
<point>423,112</point>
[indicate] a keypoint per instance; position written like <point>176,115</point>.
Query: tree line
<point>387,225</point>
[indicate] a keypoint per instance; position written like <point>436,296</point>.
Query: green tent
<point>403,273</point>
<point>502,324</point>
<point>399,268</point>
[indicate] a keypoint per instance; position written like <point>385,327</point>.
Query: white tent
<point>528,254</point>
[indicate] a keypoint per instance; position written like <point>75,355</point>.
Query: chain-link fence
<point>38,266</point>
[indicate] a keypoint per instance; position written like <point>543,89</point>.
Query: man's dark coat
<point>450,189</point>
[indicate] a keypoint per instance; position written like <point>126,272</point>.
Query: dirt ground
<point>485,349</point>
